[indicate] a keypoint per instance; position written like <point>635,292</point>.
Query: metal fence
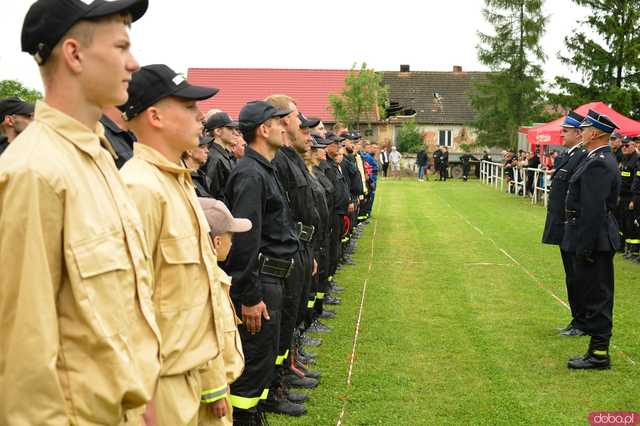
<point>494,174</point>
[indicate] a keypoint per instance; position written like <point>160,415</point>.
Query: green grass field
<point>458,321</point>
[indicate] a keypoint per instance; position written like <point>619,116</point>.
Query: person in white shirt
<point>394,160</point>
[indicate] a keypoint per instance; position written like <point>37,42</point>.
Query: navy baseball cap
<point>220,119</point>
<point>318,142</point>
<point>153,83</point>
<point>333,138</point>
<point>307,123</point>
<point>255,113</point>
<point>47,21</point>
<point>14,105</point>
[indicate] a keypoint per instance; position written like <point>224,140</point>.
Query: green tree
<point>511,95</point>
<point>608,62</point>
<point>15,88</point>
<point>409,138</point>
<point>362,95</point>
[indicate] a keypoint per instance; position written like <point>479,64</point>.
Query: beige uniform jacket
<point>363,174</point>
<point>186,292</point>
<point>78,337</point>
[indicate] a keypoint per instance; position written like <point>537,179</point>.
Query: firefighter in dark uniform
<point>350,168</point>
<point>321,187</point>
<point>342,197</point>
<point>626,208</point>
<point>327,235</point>
<point>591,235</point>
<point>261,259</point>
<point>293,175</point>
<point>634,234</point>
<point>220,161</point>
<point>554,225</point>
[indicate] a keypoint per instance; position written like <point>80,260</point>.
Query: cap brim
<point>308,124</point>
<point>240,225</point>
<point>233,125</point>
<point>136,8</point>
<point>195,93</point>
<point>281,113</point>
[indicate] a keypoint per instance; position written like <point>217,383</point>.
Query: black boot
<point>278,403</point>
<point>596,358</point>
<point>250,417</point>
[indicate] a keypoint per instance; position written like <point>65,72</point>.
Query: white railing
<point>494,174</point>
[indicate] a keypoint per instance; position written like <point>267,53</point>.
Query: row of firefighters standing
<point>123,288</point>
<point>593,213</point>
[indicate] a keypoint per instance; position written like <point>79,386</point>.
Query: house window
<point>444,138</point>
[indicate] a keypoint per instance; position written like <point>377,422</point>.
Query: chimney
<point>405,68</point>
<point>457,69</point>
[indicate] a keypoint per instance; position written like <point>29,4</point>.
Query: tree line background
<point>603,50</point>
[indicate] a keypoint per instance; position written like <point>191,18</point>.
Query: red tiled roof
<point>310,88</point>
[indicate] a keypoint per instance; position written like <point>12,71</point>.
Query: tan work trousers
<point>177,399</point>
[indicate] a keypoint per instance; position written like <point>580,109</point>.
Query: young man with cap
<point>79,338</point>
<point>222,129</point>
<point>591,236</point>
<point>261,259</point>
<point>626,209</point>
<point>118,134</point>
<point>15,116</point>
<point>615,142</point>
<point>293,176</point>
<point>163,113</point>
<point>556,218</point>
<point>223,226</point>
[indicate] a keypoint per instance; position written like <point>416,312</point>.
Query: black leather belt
<point>305,232</point>
<point>273,267</point>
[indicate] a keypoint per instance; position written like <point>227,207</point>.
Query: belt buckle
<point>290,268</point>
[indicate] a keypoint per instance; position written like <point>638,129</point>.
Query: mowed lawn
<point>459,320</point>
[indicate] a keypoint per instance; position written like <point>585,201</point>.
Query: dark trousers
<point>334,244</point>
<point>595,284</point>
<point>385,169</point>
<point>294,293</point>
<point>443,172</point>
<point>570,280</point>
<point>630,232</point>
<point>308,287</point>
<point>260,350</point>
<point>465,171</point>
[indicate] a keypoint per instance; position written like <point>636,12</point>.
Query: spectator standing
<point>394,160</point>
<point>384,161</point>
<point>422,161</point>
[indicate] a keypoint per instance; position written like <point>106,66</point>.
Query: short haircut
<point>249,135</point>
<point>280,102</point>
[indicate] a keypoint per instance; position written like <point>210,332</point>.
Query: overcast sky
<point>428,35</point>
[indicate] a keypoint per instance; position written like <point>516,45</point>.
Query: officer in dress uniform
<point>591,235</point>
<point>626,209</point>
<point>554,225</point>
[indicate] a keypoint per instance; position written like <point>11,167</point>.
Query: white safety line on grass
<point>528,273</point>
<point>362,297</point>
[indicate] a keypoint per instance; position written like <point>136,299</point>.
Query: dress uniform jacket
<point>186,292</point>
<point>567,165</point>
<point>591,199</point>
<point>79,340</point>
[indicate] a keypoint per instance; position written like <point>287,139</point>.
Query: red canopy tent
<point>550,133</point>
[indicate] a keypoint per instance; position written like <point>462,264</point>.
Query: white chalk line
<point>357,328</point>
<point>530,275</point>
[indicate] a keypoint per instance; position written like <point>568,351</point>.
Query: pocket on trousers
<point>100,262</point>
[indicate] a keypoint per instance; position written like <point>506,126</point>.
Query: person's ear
<point>217,242</point>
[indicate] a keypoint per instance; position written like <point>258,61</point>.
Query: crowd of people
<point>167,267</point>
